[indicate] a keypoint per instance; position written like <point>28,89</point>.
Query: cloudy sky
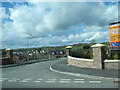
<point>55,23</point>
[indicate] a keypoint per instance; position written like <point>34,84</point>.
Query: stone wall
<point>112,64</point>
<point>98,61</point>
<point>89,63</point>
<point>80,62</point>
<point>4,61</point>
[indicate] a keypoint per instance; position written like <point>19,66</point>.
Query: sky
<point>36,24</point>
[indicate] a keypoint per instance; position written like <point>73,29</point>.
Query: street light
<point>4,44</point>
<point>28,36</point>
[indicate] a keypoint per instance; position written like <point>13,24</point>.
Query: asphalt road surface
<point>38,75</point>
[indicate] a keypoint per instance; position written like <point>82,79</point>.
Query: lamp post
<point>28,36</point>
<point>4,44</point>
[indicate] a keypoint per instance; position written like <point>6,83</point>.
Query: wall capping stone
<point>69,47</point>
<point>81,59</point>
<point>98,45</point>
<point>112,61</point>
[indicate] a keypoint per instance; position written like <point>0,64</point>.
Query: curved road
<point>38,75</point>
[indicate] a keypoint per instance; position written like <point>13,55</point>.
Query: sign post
<point>114,35</point>
<point>114,38</point>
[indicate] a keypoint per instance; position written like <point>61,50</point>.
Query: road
<point>38,75</point>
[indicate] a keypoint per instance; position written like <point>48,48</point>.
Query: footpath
<point>24,63</point>
<point>64,68</point>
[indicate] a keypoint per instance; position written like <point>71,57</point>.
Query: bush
<point>82,54</point>
<point>116,56</point>
<point>89,55</point>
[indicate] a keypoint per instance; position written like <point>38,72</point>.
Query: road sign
<point>114,34</point>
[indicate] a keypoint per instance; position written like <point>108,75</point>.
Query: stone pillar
<point>68,49</point>
<point>99,55</point>
<point>9,54</point>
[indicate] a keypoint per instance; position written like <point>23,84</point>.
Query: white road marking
<point>49,81</point>
<point>108,78</point>
<point>23,81</point>
<point>39,79</point>
<point>4,78</point>
<point>15,79</point>
<point>1,80</point>
<point>12,80</point>
<point>64,81</point>
<point>79,81</point>
<point>27,79</point>
<point>36,81</point>
<point>117,79</point>
<point>94,81</point>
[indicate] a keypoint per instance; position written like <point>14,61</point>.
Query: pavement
<point>64,68</point>
<point>24,63</point>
